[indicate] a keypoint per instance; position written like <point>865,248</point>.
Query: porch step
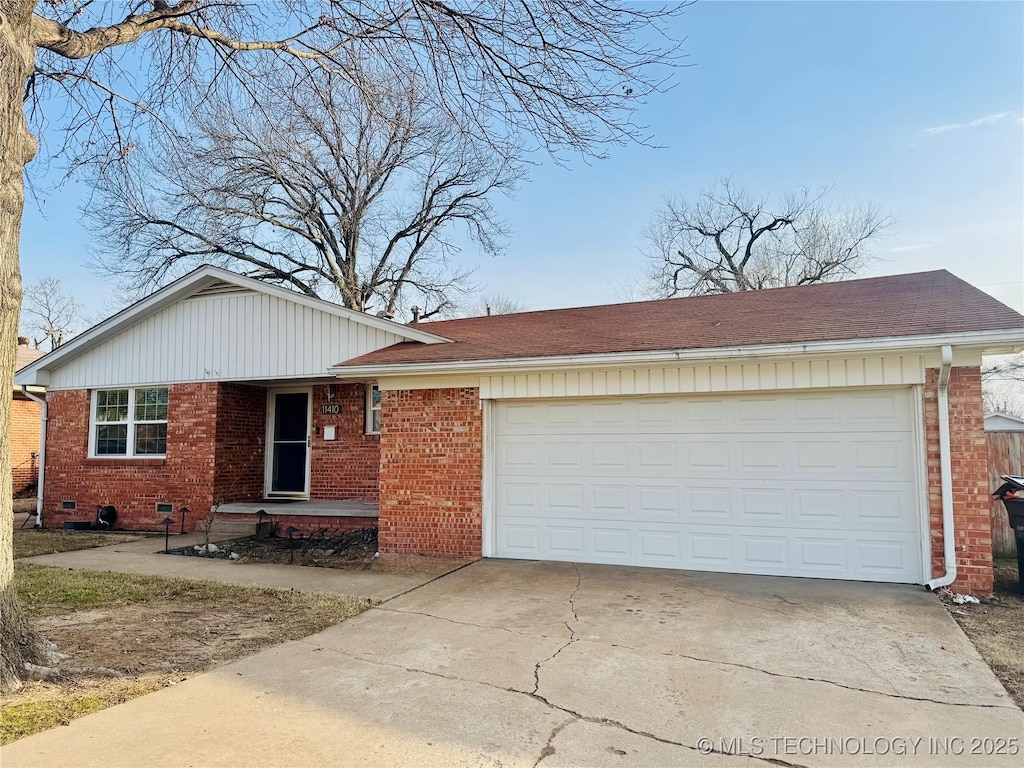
<point>238,528</point>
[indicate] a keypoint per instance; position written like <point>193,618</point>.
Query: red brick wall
<point>969,455</point>
<point>25,415</point>
<point>241,433</point>
<point>134,486</point>
<point>216,436</point>
<point>431,472</point>
<point>305,524</point>
<point>346,468</point>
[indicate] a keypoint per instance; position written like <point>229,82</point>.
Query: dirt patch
<point>996,627</point>
<point>127,634</point>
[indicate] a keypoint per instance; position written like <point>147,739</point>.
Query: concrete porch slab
<point>307,507</point>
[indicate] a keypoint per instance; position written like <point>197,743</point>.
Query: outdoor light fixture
<point>262,515</point>
<point>183,511</point>
<point>291,543</point>
<point>167,533</point>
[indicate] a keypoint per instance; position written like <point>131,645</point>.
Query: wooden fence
<point>1004,458</point>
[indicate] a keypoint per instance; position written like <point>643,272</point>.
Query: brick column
<point>969,457</point>
<point>431,472</point>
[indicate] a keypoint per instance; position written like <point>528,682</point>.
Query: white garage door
<point>818,485</point>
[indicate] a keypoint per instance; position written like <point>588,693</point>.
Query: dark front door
<point>290,449</point>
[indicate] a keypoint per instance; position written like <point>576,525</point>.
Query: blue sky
<point>916,107</point>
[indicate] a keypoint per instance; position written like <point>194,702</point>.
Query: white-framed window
<point>373,409</point>
<point>128,423</point>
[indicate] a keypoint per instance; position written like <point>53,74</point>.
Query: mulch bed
<point>351,549</point>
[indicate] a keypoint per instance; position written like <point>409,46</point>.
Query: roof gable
<point>215,325</point>
<point>915,305</point>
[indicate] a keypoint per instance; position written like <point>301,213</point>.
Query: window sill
<point>125,461</point>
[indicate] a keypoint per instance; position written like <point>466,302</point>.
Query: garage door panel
<point>839,555</point>
<point>861,458</point>
<point>711,551</point>
<point>716,414</point>
<point>817,484</point>
<point>611,544</point>
<point>867,507</point>
<point>659,546</point>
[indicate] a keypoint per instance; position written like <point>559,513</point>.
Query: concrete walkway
<point>390,576</point>
<point>524,664</point>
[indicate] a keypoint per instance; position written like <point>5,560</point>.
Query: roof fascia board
<point>182,288</point>
<point>1008,340</point>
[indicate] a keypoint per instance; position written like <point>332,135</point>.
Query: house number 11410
<point>330,409</point>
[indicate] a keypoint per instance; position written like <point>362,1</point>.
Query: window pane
<point>151,404</point>
<point>376,422</point>
<point>112,405</point>
<point>150,439</point>
<point>111,440</point>
<point>376,396</point>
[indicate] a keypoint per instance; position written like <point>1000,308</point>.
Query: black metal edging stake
<point>167,534</point>
<point>291,543</point>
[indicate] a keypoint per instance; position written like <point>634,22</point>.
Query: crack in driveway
<point>825,681</point>
<point>573,638</point>
<point>547,750</point>
<point>464,623</point>
<point>572,632</point>
<point>576,716</point>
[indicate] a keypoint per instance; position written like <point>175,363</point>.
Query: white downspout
<point>946,475</point>
<point>42,454</point>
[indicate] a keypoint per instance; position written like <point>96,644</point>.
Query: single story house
<point>1003,422</point>
<point>25,425</point>
<point>831,430</point>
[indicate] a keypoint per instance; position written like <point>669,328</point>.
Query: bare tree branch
<point>325,192</point>
<point>726,240</point>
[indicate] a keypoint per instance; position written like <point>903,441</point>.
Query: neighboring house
<point>792,432</point>
<point>25,426</point>
<point>1003,422</point>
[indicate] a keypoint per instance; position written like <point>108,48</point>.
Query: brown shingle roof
<point>26,355</point>
<point>903,305</point>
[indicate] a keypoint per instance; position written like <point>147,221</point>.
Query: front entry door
<point>288,458</point>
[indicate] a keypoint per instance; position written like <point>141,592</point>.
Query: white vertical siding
<point>733,377</point>
<point>229,336</point>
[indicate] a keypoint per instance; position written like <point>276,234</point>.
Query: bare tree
<point>340,192</point>
<point>1002,384</point>
<point>557,74</point>
<point>48,314</point>
<point>727,240</point>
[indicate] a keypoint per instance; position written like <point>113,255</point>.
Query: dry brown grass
<point>31,541</point>
<point>996,627</point>
<point>128,634</point>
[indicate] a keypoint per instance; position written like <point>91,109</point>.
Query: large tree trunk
<point>18,643</point>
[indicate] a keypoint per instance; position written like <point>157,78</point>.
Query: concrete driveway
<point>517,663</point>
